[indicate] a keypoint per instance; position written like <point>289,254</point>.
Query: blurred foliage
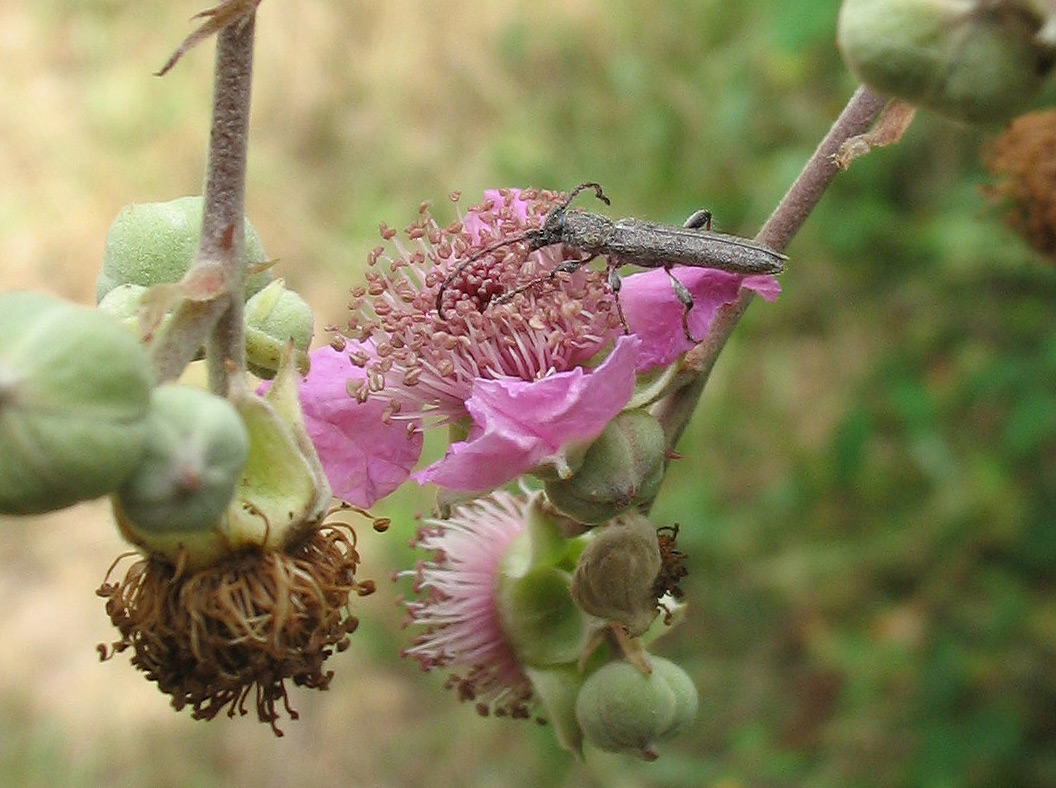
<point>868,491</point>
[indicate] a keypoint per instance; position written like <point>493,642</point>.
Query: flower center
<point>476,284</point>
<point>424,359</point>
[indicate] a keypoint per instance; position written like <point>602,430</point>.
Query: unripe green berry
<point>74,395</point>
<point>616,573</point>
<point>619,709</point>
<point>155,243</point>
<point>971,61</point>
<point>273,317</point>
<point>622,468</point>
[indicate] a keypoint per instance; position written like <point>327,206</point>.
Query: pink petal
<point>517,424</point>
<point>364,458</point>
<point>654,313</point>
<point>765,286</point>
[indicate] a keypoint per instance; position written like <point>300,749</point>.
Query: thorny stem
<point>217,322</point>
<point>675,410</point>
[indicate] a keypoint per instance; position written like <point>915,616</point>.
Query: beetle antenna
<point>583,187</point>
<point>533,236</point>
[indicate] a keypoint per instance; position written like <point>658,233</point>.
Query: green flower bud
<point>74,395</point>
<point>275,316</point>
<point>621,469</point>
<point>975,62</point>
<point>153,243</point>
<point>539,618</point>
<point>123,303</point>
<point>614,579</point>
<point>281,494</point>
<point>620,709</point>
<point>196,448</point>
<point>558,686</point>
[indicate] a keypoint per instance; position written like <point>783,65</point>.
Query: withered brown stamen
<point>209,638</point>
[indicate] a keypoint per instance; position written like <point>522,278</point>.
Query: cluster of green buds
<point>80,416</point>
<point>150,247</point>
<point>242,584</point>
<point>575,614</point>
<point>581,584</point>
<point>627,588</point>
<point>591,583</point>
<point>977,61</point>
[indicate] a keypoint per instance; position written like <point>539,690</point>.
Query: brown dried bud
<point>1024,167</point>
<point>616,574</point>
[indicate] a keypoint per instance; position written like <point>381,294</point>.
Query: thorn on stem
<point>218,17</point>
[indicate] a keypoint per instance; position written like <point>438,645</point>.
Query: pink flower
<point>655,315</point>
<point>364,453</point>
<point>456,603</point>
<point>425,362</point>
<point>516,368</point>
<point>527,373</point>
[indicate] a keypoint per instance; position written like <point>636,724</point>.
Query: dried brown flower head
<point>672,563</point>
<point>1023,161</point>
<point>212,637</point>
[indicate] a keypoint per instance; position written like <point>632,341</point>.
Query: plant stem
<point>217,321</point>
<point>223,235</point>
<point>675,410</point>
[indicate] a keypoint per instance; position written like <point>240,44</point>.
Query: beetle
<point>633,242</point>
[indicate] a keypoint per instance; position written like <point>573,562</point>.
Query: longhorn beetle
<point>633,242</point>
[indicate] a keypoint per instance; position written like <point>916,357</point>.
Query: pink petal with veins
<point>654,313</point>
<point>364,457</point>
<point>518,424</point>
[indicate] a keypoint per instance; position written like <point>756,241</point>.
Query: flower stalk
<point>214,316</point>
<point>676,409</point>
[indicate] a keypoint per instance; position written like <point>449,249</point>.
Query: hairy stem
<point>675,410</point>
<point>223,224</point>
<point>216,321</point>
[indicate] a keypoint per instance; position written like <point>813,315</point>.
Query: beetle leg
<point>686,299</point>
<point>698,219</point>
<point>614,285</point>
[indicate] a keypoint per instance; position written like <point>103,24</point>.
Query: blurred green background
<point>868,495</point>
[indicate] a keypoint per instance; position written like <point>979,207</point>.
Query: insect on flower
<point>632,242</point>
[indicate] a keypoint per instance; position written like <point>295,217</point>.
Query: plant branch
<point>223,221</point>
<point>215,318</point>
<point>675,410</point>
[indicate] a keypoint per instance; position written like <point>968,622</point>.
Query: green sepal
<point>282,491</point>
<point>557,688</point>
<point>539,618</point>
